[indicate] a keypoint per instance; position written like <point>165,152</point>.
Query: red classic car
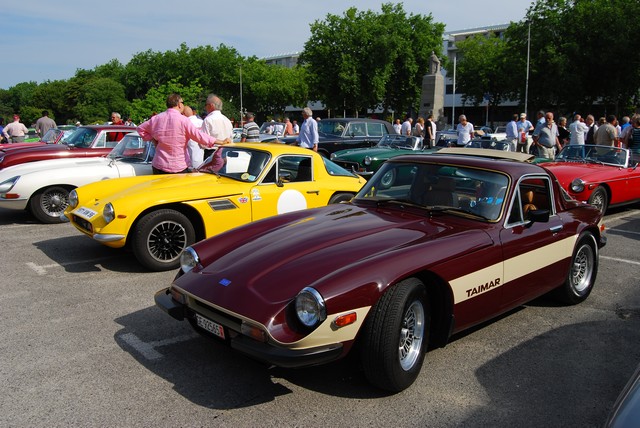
<point>86,141</point>
<point>431,245</point>
<point>599,175</point>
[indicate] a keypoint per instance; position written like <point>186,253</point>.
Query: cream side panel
<point>514,268</point>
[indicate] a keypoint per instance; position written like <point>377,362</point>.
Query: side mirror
<point>283,176</point>
<point>538,216</point>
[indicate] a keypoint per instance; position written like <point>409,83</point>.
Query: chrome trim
<point>107,238</point>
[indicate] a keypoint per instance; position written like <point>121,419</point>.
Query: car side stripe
<point>492,277</point>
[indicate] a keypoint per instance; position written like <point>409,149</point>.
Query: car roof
<point>353,119</point>
<point>479,158</point>
<point>275,148</point>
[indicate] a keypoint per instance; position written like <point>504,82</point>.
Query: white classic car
<point>43,187</point>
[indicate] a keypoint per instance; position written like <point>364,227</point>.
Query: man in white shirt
<point>578,130</point>
<point>216,124</point>
<point>196,153</point>
<point>407,126</point>
<point>465,130</point>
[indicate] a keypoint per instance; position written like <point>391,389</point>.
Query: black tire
<point>582,272</point>
<point>160,237</point>
<point>49,203</point>
<point>599,199</point>
<point>340,197</point>
<point>395,336</point>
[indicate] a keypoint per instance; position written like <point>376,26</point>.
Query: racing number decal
<point>291,200</point>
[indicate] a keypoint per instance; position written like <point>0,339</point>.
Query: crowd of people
<point>425,129</point>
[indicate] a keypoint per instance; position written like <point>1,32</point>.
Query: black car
<point>348,133</point>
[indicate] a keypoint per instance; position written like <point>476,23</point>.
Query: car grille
<point>349,166</point>
<point>84,224</point>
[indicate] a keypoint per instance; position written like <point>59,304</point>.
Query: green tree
<point>97,98</point>
<point>483,70</point>
<point>581,54</point>
<point>155,100</point>
<point>363,59</point>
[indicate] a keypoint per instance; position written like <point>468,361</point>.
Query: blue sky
<point>50,40</point>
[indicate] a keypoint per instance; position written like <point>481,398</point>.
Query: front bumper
<point>14,204</point>
<point>266,352</point>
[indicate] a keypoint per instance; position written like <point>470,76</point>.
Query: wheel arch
<point>190,212</point>
<point>440,302</point>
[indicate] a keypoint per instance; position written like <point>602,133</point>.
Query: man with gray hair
<point>308,136</point>
<point>216,124</point>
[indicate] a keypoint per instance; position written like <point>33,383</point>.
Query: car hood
<point>565,172</point>
<point>51,164</point>
<point>270,261</point>
<point>150,189</point>
<point>39,148</point>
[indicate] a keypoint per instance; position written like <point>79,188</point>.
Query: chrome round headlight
<point>108,213</point>
<point>310,307</point>
<point>188,259</point>
<point>333,156</point>
<point>73,199</point>
<point>577,185</point>
<point>367,160</point>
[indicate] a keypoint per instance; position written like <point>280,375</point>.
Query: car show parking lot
<point>83,344</point>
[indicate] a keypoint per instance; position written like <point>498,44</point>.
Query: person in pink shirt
<point>171,131</point>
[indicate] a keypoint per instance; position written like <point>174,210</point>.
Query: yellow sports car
<point>160,215</point>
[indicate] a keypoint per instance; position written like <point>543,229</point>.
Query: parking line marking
<point>623,231</point>
<point>42,269</point>
<point>147,349</point>
<point>615,259</point>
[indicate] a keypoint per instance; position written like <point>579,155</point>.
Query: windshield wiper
<point>409,202</point>
<point>446,208</point>
<point>592,160</point>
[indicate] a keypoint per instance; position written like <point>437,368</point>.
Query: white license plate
<point>210,326</point>
<point>85,213</point>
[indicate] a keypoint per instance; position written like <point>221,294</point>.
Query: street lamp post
<point>453,104</point>
<point>241,109</point>
<point>526,87</point>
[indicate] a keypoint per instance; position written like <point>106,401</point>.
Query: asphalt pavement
<point>82,344</point>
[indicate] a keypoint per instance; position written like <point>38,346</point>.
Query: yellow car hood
<point>159,189</point>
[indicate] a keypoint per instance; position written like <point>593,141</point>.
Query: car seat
<point>443,192</point>
<point>527,201</point>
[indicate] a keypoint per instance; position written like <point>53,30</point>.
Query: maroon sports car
<point>599,175</point>
<point>432,245</point>
<point>86,141</point>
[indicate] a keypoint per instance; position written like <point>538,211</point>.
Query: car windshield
<point>331,127</point>
<point>335,169</point>
<point>81,137</point>
<point>132,148</point>
<point>52,136</point>
<point>588,153</point>
<point>240,163</point>
<point>272,128</point>
<point>400,142</point>
<point>455,189</point>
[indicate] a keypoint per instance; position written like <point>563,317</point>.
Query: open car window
<point>532,193</point>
